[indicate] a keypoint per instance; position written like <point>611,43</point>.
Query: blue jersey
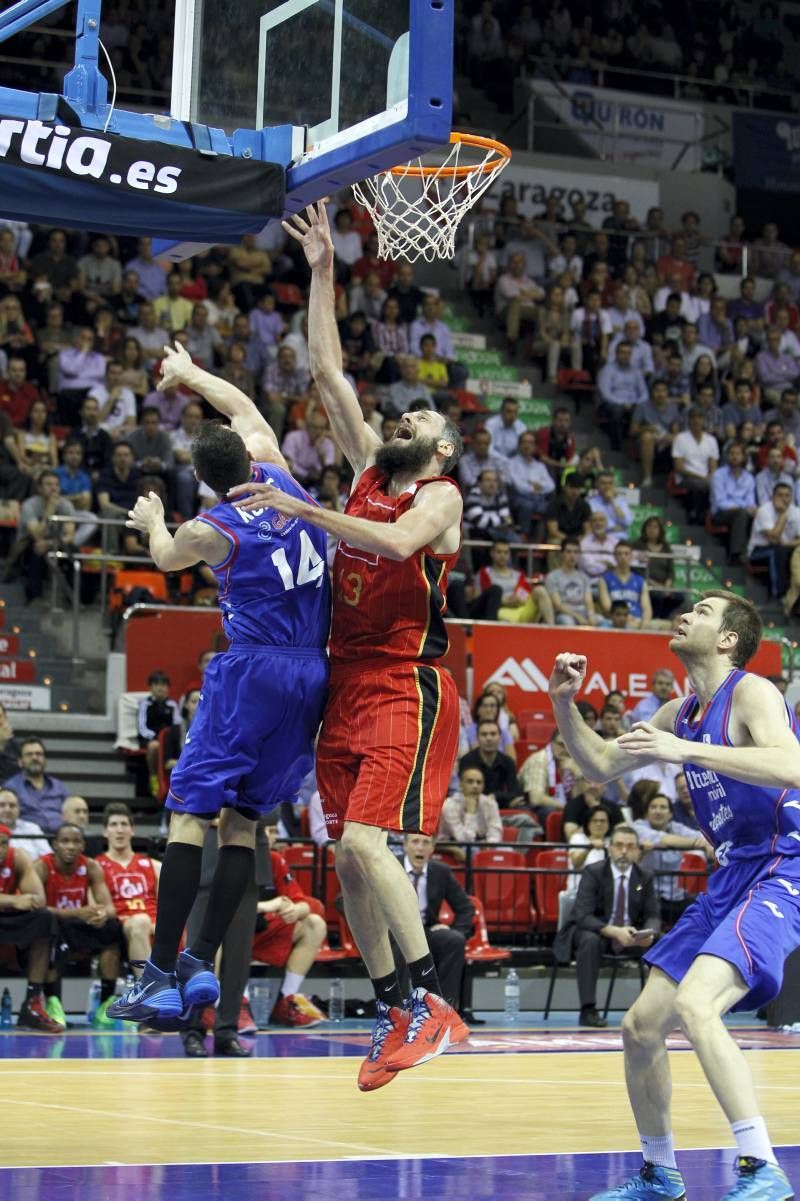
<point>741,821</point>
<point>274,588</point>
<point>629,590</point>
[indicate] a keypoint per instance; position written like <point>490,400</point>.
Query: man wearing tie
<point>616,910</point>
<point>434,882</point>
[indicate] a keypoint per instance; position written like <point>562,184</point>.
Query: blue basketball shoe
<point>196,980</point>
<point>649,1184</point>
<point>759,1181</point>
<point>154,995</point>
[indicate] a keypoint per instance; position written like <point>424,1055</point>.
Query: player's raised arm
<point>597,758</point>
<point>194,541</point>
<point>355,438</point>
<point>758,711</point>
<point>251,425</point>
<point>434,515</point>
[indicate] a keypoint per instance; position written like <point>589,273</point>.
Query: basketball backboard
<point>323,92</point>
<point>357,85</point>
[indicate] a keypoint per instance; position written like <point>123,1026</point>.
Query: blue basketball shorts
<point>750,917</point>
<point>252,738</point>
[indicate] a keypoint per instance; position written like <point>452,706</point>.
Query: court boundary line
<point>240,1163</point>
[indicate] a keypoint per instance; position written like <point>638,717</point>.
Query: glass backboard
<point>351,78</point>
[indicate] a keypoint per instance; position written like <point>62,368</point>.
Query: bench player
<point>132,880</point>
<point>77,895</point>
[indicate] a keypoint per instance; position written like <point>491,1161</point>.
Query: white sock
<point>752,1139</point>
<point>658,1149</point>
<point>291,984</point>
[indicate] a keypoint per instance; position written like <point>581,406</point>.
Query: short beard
<point>405,458</point>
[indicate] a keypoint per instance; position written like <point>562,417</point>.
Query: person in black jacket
<point>434,882</point>
<point>616,910</point>
<point>499,770</point>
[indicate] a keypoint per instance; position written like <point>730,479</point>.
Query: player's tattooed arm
<point>355,438</point>
<point>427,523</point>
<point>194,541</point>
<point>251,425</point>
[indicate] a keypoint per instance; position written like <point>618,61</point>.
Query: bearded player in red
<point>390,731</point>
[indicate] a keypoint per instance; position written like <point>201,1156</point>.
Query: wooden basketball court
<point>132,1105</point>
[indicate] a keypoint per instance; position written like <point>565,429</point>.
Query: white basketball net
<point>416,213</point>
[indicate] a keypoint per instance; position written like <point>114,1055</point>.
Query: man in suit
<point>434,882</point>
<point>616,911</point>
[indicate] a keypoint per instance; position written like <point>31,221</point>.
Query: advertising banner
<point>521,659</point>
<point>531,186</point>
<point>628,127</point>
<point>766,152</point>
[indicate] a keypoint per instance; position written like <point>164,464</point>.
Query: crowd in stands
<point>722,52</point>
<point>702,391</point>
<point>83,325</point>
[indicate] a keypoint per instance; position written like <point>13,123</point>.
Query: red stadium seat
<point>330,887</point>
<point>693,861</point>
<point>503,884</point>
<point>554,826</point>
<point>547,886</point>
<point>510,833</point>
<point>446,915</point>
<point>302,861</point>
<point>456,866</point>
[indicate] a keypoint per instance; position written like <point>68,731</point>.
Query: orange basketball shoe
<point>387,1038</point>
<point>434,1027</point>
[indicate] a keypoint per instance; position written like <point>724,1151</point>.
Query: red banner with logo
<point>521,659</point>
<point>18,671</point>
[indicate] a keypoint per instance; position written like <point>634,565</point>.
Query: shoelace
<point>419,1016</point>
<point>746,1168</point>
<point>381,1031</point>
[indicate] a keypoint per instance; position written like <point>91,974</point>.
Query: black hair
<point>158,677</point>
<point>220,457</point>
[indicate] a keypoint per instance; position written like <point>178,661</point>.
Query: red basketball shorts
<point>274,944</point>
<point>388,744</point>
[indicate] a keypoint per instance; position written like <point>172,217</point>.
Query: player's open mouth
<point>405,432</point>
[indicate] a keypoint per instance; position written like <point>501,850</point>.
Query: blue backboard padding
<point>53,200</point>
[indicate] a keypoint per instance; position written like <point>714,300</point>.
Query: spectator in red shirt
<point>369,262</point>
<point>775,435</point>
<point>676,262</point>
<point>555,444</point>
<point>781,310</point>
<point>17,393</point>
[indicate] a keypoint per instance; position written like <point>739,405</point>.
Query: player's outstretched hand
<point>647,742</point>
<point>313,234</point>
<point>264,496</point>
<point>146,513</point>
<point>567,676</point>
<point>173,365</point>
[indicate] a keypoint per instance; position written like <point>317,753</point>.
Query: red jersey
<point>284,881</point>
<point>66,892</point>
<point>8,874</point>
<point>383,609</point>
<point>132,885</point>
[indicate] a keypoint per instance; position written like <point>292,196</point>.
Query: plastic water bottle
<point>6,1010</point>
<point>511,996</point>
<point>260,1001</point>
<point>336,1000</point>
<point>93,1000</point>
